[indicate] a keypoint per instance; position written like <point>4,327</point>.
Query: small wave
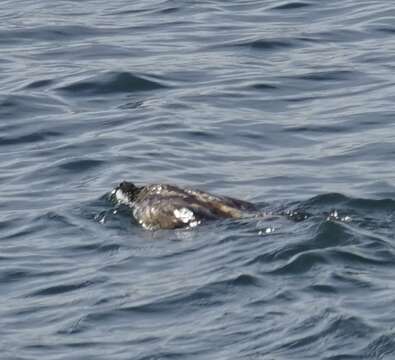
<point>169,10</point>
<point>326,327</point>
<point>301,263</point>
<point>381,347</point>
<point>325,200</point>
<point>305,261</point>
<point>338,36</point>
<point>323,288</point>
<point>389,30</point>
<point>320,236</point>
<point>112,82</point>
<point>47,33</point>
<point>263,86</point>
<point>60,289</point>
<point>266,44</point>
<point>318,129</point>
<point>12,275</point>
<point>338,75</point>
<point>211,294</point>
<point>354,255</point>
<point>80,165</point>
<point>372,214</point>
<point>34,137</point>
<point>292,5</point>
<point>15,106</point>
<point>92,247</point>
<point>373,204</point>
<point>38,84</point>
<point>259,44</point>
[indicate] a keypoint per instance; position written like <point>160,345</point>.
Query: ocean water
<point>287,104</point>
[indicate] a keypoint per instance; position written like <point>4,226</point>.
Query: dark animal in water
<point>161,206</point>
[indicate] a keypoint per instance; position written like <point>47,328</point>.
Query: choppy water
<point>289,104</point>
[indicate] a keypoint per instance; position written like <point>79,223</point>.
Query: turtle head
<point>126,192</point>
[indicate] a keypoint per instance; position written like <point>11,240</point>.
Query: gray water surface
<point>287,104</point>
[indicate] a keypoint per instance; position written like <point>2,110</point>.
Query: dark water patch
<point>164,7</point>
<point>54,217</point>
<point>323,288</point>
<point>112,83</point>
<point>93,247</point>
<point>270,44</point>
<point>35,137</point>
<point>212,294</point>
<point>243,280</point>
<point>81,165</point>
<point>13,275</point>
<point>350,281</point>
<point>319,129</point>
<point>96,52</point>
<point>60,289</point>
<point>29,106</point>
<point>342,356</point>
<point>339,75</point>
<point>332,327</point>
<point>331,243</point>
<point>163,125</point>
<point>365,213</point>
<point>382,347</point>
<point>309,38</point>
<point>340,36</point>
<point>38,84</point>
<point>263,86</point>
<point>251,135</point>
<point>281,297</point>
<point>170,10</point>
<point>132,104</point>
<point>331,233</point>
<point>383,148</point>
<point>128,11</point>
<point>171,26</point>
<point>20,232</point>
<point>292,5</point>
<point>389,30</point>
<point>326,235</point>
<point>326,200</point>
<point>266,44</point>
<point>196,136</point>
<point>47,33</point>
<point>25,273</point>
<point>387,205</point>
<point>302,263</point>
<point>301,99</point>
<point>61,223</point>
<point>356,256</point>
